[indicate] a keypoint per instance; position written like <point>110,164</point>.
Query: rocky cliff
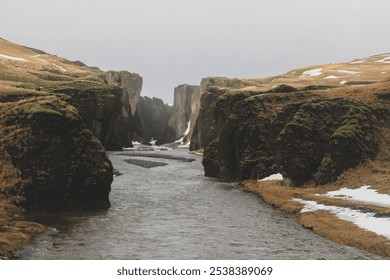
<point>204,103</point>
<point>185,110</point>
<point>50,160</point>
<point>56,118</point>
<point>151,121</point>
<point>131,83</point>
<point>309,134</point>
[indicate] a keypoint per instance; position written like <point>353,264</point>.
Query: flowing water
<point>164,208</point>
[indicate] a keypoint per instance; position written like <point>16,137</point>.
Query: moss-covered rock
<point>51,161</point>
<point>303,137</point>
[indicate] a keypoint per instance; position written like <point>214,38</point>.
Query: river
<point>164,208</point>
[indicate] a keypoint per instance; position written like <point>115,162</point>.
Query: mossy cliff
<point>50,160</point>
<point>304,136</point>
<point>104,108</point>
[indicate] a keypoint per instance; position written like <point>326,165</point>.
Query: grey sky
<point>172,42</point>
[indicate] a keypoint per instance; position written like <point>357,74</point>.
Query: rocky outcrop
<point>151,121</point>
<point>104,108</point>
<point>131,83</point>
<point>50,161</point>
<point>210,90</point>
<point>302,136</point>
<point>185,109</point>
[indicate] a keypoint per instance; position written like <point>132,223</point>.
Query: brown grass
<point>329,226</point>
<point>14,232</point>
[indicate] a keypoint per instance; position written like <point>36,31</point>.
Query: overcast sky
<point>172,42</point>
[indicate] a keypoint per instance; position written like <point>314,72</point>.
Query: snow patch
<point>362,194</point>
<point>343,82</point>
<point>312,73</point>
<point>59,67</point>
<point>358,61</point>
<point>332,77</point>
<point>181,140</point>
<point>384,60</point>
<point>13,58</point>
<point>349,72</point>
<point>383,72</point>
<point>276,176</point>
<point>366,220</point>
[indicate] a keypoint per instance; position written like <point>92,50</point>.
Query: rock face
<point>210,90</point>
<point>151,121</point>
<point>104,108</point>
<point>131,83</point>
<point>185,110</point>
<point>302,136</point>
<point>50,160</point>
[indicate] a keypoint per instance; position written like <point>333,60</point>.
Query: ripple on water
<point>174,212</point>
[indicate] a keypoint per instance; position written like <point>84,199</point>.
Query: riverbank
<point>354,211</point>
<point>15,233</point>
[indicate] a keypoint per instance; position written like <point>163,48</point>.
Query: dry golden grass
<point>322,222</point>
<point>329,226</point>
<point>14,233</point>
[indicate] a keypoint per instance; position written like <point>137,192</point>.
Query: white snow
<point>384,60</point>
<point>343,82</point>
<point>367,220</point>
<point>312,73</point>
<point>358,61</point>
<point>276,176</point>
<point>12,57</point>
<point>384,72</point>
<point>181,140</point>
<point>349,72</point>
<point>362,194</point>
<point>59,67</point>
<point>332,77</point>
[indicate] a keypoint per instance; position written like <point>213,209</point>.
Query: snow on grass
<point>365,220</point>
<point>276,176</point>
<point>13,58</point>
<point>358,61</point>
<point>312,73</point>
<point>349,72</point>
<point>384,60</point>
<point>343,82</point>
<point>332,77</point>
<point>59,67</point>
<point>362,194</point>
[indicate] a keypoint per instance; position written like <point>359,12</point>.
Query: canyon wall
<point>185,110</point>
<point>151,121</point>
<point>304,136</point>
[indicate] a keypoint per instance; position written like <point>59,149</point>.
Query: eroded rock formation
<point>151,121</point>
<point>49,160</point>
<point>185,110</point>
<point>303,136</point>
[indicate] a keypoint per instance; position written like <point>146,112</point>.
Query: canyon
<point>58,118</point>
